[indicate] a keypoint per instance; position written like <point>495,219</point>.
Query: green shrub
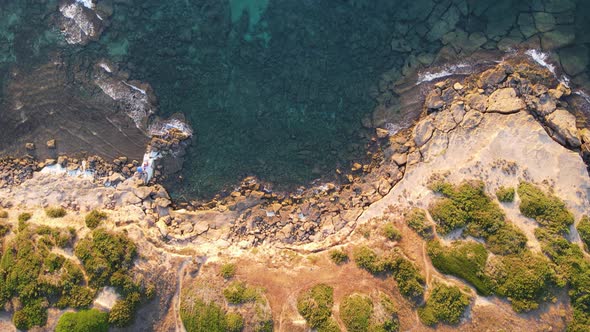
<point>447,215</point>
<point>507,240</point>
<point>238,293</point>
<point>315,305</point>
<point>391,232</point>
<point>3,214</point>
<point>235,322</point>
<point>367,259</point>
<point>25,216</point>
<point>548,210</point>
<point>329,326</point>
<point>93,218</point>
<point>83,321</point>
<point>121,314</point>
<point>584,231</point>
<point>228,270</point>
<point>338,256</point>
<point>103,254</point>
<point>4,229</point>
<point>356,311</point>
<point>445,304</point>
<point>199,316</point>
<point>464,259</point>
<point>505,194</point>
<point>32,314</point>
<point>55,212</point>
<point>417,220</point>
<point>525,279</point>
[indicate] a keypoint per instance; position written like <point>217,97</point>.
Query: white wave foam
<point>86,3</point>
<point>458,69</point>
<point>105,67</point>
<point>134,87</point>
<point>59,169</point>
<point>541,58</point>
<point>160,128</point>
<point>393,128</point>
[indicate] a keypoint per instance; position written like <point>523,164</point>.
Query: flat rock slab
<point>505,101</point>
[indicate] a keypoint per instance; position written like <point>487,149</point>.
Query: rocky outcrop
<point>505,101</point>
<point>564,124</point>
<point>80,22</point>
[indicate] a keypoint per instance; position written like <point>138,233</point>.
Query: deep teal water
<point>277,88</point>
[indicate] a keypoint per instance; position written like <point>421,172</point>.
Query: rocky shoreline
<point>518,98</point>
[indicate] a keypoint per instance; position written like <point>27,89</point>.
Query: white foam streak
<point>541,58</point>
<point>86,3</point>
<point>457,69</point>
<point>134,87</point>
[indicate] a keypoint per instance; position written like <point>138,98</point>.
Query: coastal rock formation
<point>80,23</point>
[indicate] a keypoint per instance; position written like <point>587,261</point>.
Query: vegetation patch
<point>548,210</point>
<point>38,278</point>
<point>25,216</point>
<point>338,256</point>
<point>505,194</point>
<point>94,218</point>
<point>315,305</point>
<point>356,311</point>
<point>228,270</point>
<point>199,316</point>
<point>417,220</point>
<point>525,279</point>
<point>463,259</point>
<point>467,205</point>
<point>238,292</point>
<point>83,321</point>
<point>55,212</point>
<point>3,214</point>
<point>445,304</point>
<point>390,232</point>
<point>409,280</point>
<point>4,229</point>
<point>584,231</point>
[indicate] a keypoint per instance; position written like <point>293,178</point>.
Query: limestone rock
<point>444,121</point>
<point>477,102</point>
<point>564,124</point>
<point>400,158</point>
<point>142,192</point>
<point>545,105</point>
<point>51,144</point>
<point>492,77</point>
<point>423,131</point>
<point>114,178</point>
<point>381,133</point>
<point>458,112</point>
<point>505,101</point>
<point>162,228</point>
<point>434,100</point>
<point>30,146</point>
<point>471,119</point>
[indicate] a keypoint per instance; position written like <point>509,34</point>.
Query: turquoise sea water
<point>279,88</point>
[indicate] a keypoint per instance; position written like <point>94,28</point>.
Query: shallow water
<point>279,88</point>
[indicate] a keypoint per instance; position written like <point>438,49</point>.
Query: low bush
<point>32,314</point>
<point>584,231</point>
<point>199,316</point>
<point>505,195</point>
<point>228,270</point>
<point>235,322</point>
<point>445,304</point>
<point>367,259</point>
<point>25,216</point>
<point>4,229</point>
<point>417,220</point>
<point>94,218</point>
<point>525,279</point>
<point>338,256</point>
<point>55,212</point>
<point>548,210</point>
<point>463,259</point>
<point>315,305</point>
<point>356,311</point>
<point>238,293</point>
<point>391,232</point>
<point>3,214</point>
<point>83,321</point>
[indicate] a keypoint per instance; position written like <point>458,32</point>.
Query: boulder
<point>51,144</point>
<point>564,124</point>
<point>444,121</point>
<point>544,22</point>
<point>400,159</point>
<point>559,37</point>
<point>434,100</point>
<point>574,60</point>
<point>491,77</point>
<point>423,131</point>
<point>477,102</point>
<point>471,119</point>
<point>545,105</point>
<point>458,112</point>
<point>162,228</point>
<point>505,101</point>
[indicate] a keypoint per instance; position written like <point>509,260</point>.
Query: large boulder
<point>505,101</point>
<point>423,131</point>
<point>564,124</point>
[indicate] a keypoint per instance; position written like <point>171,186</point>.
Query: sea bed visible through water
<point>284,90</point>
